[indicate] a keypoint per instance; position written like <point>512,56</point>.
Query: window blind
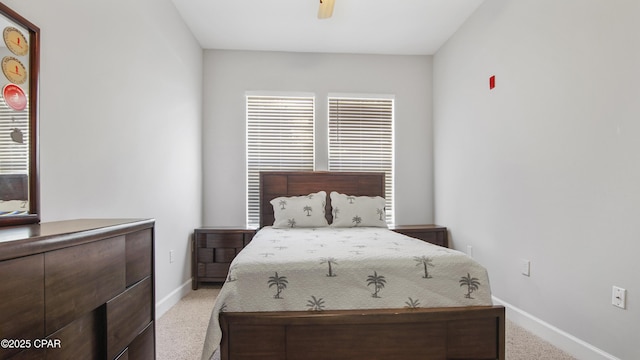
<point>14,141</point>
<point>280,136</point>
<point>361,139</point>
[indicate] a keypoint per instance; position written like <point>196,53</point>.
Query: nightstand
<point>213,249</point>
<point>430,233</point>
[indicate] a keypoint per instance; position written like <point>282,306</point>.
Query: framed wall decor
<point>19,70</point>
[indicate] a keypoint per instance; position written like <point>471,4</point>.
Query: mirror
<point>19,61</point>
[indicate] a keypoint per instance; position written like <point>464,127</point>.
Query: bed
<point>375,320</point>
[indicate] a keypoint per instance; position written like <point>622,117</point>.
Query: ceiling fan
<point>326,9</point>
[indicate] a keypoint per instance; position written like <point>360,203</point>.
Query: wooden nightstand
<point>213,249</point>
<point>430,233</point>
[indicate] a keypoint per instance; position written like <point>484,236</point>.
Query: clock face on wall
<point>14,70</point>
<point>15,41</point>
<point>14,97</point>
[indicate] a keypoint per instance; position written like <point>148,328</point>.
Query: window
<point>279,137</point>
<point>361,138</point>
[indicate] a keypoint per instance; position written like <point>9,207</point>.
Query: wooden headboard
<point>274,184</point>
<point>14,187</point>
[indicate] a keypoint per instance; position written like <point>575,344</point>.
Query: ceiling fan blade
<point>326,9</point>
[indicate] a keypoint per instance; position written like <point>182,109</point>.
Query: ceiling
<point>399,27</point>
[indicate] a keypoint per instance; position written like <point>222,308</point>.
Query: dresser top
<point>22,240</point>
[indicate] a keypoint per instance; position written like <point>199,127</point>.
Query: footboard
<point>389,334</point>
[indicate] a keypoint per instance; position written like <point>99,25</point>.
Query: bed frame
<point>388,334</point>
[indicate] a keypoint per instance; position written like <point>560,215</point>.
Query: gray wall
<point>120,119</point>
<point>546,166</point>
<point>229,74</point>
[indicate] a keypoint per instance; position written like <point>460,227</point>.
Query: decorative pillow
<point>300,211</point>
<point>350,211</point>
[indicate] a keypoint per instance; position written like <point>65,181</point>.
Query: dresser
<point>78,289</point>
<point>213,249</point>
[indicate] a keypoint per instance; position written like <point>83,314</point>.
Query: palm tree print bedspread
<point>319,269</point>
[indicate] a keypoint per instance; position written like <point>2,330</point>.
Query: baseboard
<point>561,339</point>
<point>168,301</point>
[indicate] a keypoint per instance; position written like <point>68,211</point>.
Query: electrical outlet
<point>525,267</point>
<point>470,250</point>
<point>171,256</point>
<point>619,297</point>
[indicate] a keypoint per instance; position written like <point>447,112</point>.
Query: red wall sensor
<point>492,82</point>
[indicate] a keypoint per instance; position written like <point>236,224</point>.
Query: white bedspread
<point>345,268</point>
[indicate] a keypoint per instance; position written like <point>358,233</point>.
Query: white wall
<point>229,74</point>
<point>546,166</point>
<point>120,119</point>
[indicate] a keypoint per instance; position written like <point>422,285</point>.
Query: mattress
<point>319,269</point>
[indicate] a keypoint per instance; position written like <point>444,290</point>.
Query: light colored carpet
<point>180,332</point>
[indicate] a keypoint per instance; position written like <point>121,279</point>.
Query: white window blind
<point>280,135</point>
<point>361,139</point>
<point>14,142</point>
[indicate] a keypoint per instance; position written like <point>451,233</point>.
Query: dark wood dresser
<point>78,289</point>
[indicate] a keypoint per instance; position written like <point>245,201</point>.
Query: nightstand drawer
<point>205,255</point>
<point>247,238</point>
<point>433,234</point>
<point>216,240</point>
<point>224,254</point>
<point>432,237</point>
<point>213,270</point>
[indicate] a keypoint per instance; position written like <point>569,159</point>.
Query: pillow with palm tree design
<point>300,211</point>
<point>351,211</point>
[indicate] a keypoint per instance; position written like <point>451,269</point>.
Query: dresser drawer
<point>82,339</point>
<point>21,300</point>
<point>80,278</point>
<point>139,252</point>
<point>127,315</point>
<point>143,346</point>
<point>124,355</point>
